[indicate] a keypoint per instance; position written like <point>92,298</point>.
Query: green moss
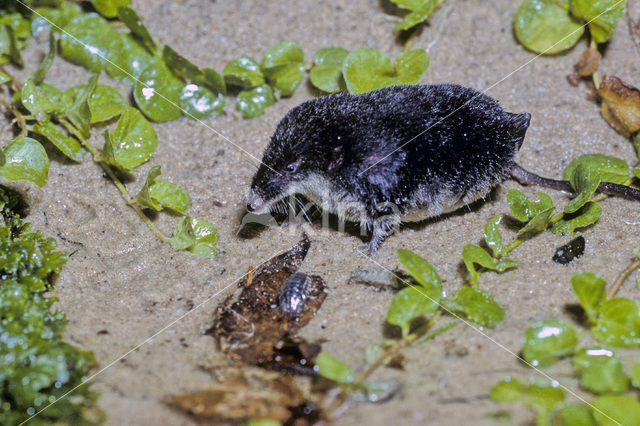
<point>36,366</point>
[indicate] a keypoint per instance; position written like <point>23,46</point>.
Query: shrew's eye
<point>291,167</point>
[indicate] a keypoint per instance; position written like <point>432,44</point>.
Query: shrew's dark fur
<point>381,156</point>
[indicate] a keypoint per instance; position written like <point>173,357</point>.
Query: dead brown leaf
<point>620,105</point>
<point>589,62</point>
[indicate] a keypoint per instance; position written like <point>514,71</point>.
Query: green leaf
<point>590,290</point>
<point>134,23</point>
<point>79,114</point>
<point>616,410</point>
<point>157,93</point>
<point>422,272</point>
<point>409,304</point>
<point>611,169</point>
<point>537,224</point>
<point>635,375</point>
<point>587,215</point>
<point>263,422</point>
<point>547,341</point>
<point>199,102</point>
<point>326,73</point>
<point>9,45</point>
<point>283,66</point>
<point>618,323</point>
<point>128,58</point>
<point>252,103</point>
<point>333,369</point>
<point>109,8</point>
<point>60,16</point>
<point>492,236</point>
<point>636,171</point>
<point>477,305</point>
<point>472,254</point>
<point>417,15</point>
<point>132,143</point>
<point>25,159</point>
<point>601,370</point>
<point>523,209</point>
<point>68,146</point>
<point>38,75</point>
<point>545,26</point>
<point>195,235</point>
<point>243,72</point>
<point>409,4</point>
<point>542,397</point>
<point>4,78</point>
<point>87,40</point>
<point>41,100</point>
<point>584,181</point>
<point>366,69</point>
<point>603,16</point>
<point>575,415</point>
<point>158,194</point>
<point>106,103</point>
<point>214,81</point>
<point>180,65</point>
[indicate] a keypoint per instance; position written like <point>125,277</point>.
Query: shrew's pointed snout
<point>256,204</point>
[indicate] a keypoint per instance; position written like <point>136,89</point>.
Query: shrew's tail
<point>527,178</point>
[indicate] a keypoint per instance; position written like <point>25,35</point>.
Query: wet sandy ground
<point>120,278</point>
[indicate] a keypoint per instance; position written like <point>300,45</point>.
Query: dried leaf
<point>620,105</point>
<point>589,62</point>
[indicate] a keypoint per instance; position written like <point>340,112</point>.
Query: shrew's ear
<point>336,158</point>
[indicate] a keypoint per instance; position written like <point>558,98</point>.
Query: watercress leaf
<point>68,146</point>
<point>180,65</point>
<point>134,23</point>
<point>409,4</point>
<point>132,143</point>
<point>472,254</point>
<point>611,169</point>
<point>590,290</point>
<point>523,209</point>
<point>326,73</point>
<point>157,93</point>
<point>545,26</point>
<point>543,397</point>
<point>283,65</point>
<point>575,415</point>
<point>4,78</point>
<point>263,422</point>
<point>417,15</point>
<point>408,304</point>
<point>603,16</point>
<point>41,100</point>
<point>636,171</point>
<point>198,102</point>
<point>3,159</point>
<point>38,75</point>
<point>243,72</point>
<point>547,341</point>
<point>600,370</point>
<point>86,41</point>
<point>333,369</point>
<point>158,194</point>
<point>79,114</point>
<point>106,103</point>
<point>616,410</point>
<point>492,236</point>
<point>425,274</point>
<point>18,23</point>
<point>251,103</point>
<point>584,181</point>
<point>478,306</point>
<point>537,224</point>
<point>25,159</point>
<point>365,69</point>
<point>587,215</point>
<point>109,8</point>
<point>128,58</point>
<point>618,324</point>
<point>43,17</point>
<point>635,375</point>
<point>195,235</point>
<point>214,81</point>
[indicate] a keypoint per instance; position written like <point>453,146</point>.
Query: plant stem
<point>22,123</point>
<point>15,81</point>
<point>622,277</point>
<point>123,190</point>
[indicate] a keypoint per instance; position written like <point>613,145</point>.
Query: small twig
<point>622,277</point>
<point>123,190</point>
